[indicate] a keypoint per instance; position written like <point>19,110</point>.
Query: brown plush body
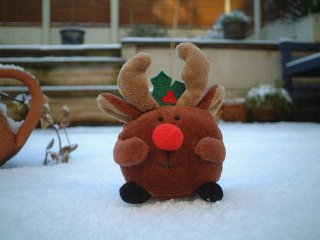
<point>152,160</point>
<point>172,174</point>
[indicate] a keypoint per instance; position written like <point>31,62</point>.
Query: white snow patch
<point>59,59</point>
<point>11,66</point>
<point>3,108</point>
<point>270,180</point>
<point>61,47</point>
<point>196,41</point>
<point>263,90</point>
<point>13,125</point>
<point>25,98</point>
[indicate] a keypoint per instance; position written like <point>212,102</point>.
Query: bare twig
<point>67,136</point>
<point>7,96</point>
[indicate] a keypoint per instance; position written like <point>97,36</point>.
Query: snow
<point>11,66</point>
<point>261,91</point>
<point>312,57</point>
<point>23,97</point>
<point>3,108</point>
<point>226,42</point>
<point>59,47</point>
<point>64,88</point>
<point>13,125</point>
<point>270,180</point>
<point>59,59</point>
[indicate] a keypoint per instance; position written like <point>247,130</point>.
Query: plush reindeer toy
<point>170,146</point>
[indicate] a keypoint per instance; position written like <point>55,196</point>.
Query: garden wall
<point>303,29</point>
<point>237,65</point>
<point>74,75</point>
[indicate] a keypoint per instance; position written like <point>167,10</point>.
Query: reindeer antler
<point>133,83</point>
<point>194,73</point>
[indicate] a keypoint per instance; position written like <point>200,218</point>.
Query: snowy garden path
<point>271,182</point>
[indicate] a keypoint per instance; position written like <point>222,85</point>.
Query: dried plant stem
<point>59,138</point>
<point>5,95</point>
<point>57,132</point>
<point>67,136</point>
<point>46,159</point>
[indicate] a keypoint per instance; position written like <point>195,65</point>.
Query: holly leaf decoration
<point>178,88</point>
<point>165,93</point>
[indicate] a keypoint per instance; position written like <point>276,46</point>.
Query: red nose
<point>167,137</point>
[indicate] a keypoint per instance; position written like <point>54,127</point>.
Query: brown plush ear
<point>194,74</point>
<point>117,107</point>
<point>133,84</point>
<point>213,99</point>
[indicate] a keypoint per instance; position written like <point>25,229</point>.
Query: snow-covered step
<point>81,100</point>
<point>56,60</point>
<point>71,75</point>
<point>63,88</point>
<point>60,50</point>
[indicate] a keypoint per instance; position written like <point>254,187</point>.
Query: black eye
<point>160,119</point>
<point>177,117</point>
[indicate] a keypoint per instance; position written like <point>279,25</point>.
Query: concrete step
<point>63,91</point>
<point>60,50</point>
<point>71,75</point>
<point>80,99</point>
<point>59,60</point>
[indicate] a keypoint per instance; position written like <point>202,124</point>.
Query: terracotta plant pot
<point>233,111</point>
<point>11,143</point>
<point>268,115</point>
<point>72,35</point>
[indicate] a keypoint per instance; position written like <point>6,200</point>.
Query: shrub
<point>270,100</point>
<point>146,30</point>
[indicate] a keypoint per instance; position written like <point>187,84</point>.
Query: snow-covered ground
<point>271,181</point>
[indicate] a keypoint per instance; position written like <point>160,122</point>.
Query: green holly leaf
<point>165,93</point>
<point>178,88</point>
<point>161,84</point>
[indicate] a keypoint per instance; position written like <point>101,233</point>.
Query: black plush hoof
<point>210,191</point>
<point>131,192</point>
